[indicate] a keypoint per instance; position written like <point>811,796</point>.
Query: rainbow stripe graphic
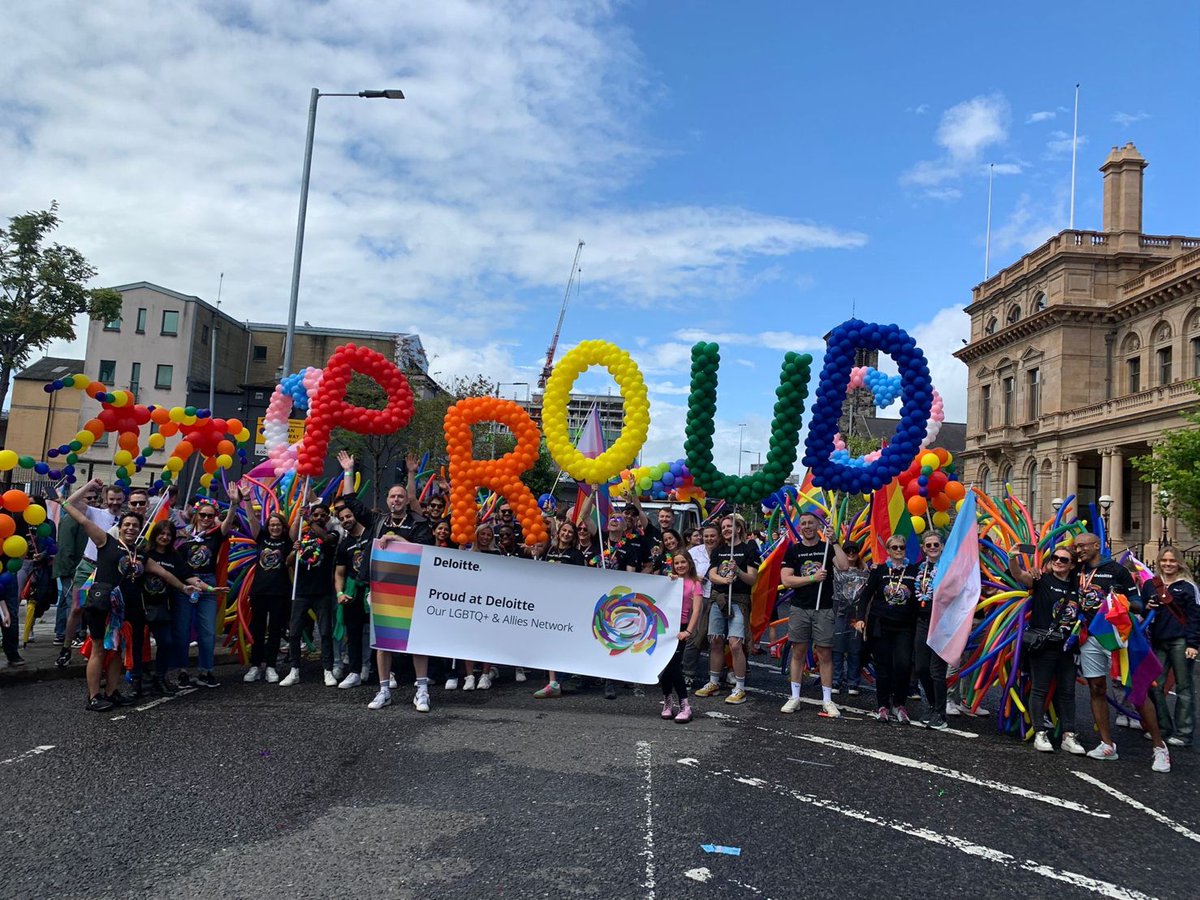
<point>393,592</point>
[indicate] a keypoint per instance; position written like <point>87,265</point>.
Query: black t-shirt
<point>271,572</point>
<point>318,556</point>
<point>156,593</point>
<point>515,552</point>
<point>411,528</point>
<point>571,557</point>
<point>1054,602</point>
<point>723,559</point>
<point>1095,584</point>
<point>200,552</point>
<point>804,561</point>
<point>118,567</point>
<point>890,596</point>
<point>354,553</point>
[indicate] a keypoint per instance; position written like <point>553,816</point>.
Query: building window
<point>113,324</point>
<point>985,403</point>
<point>1033,383</point>
<point>170,323</point>
<point>1164,365</point>
<point>1005,476</point>
<point>985,480</point>
<point>1134,368</point>
<point>1039,302</point>
<point>1014,314</point>
<point>108,371</point>
<point>135,378</point>
<point>260,353</point>
<point>990,328</point>
<point>1196,357</point>
<point>141,320</point>
<point>1033,490</point>
<point>1007,389</point>
<point>204,335</point>
<point>162,377</point>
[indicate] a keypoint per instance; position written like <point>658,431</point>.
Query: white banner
<point>518,612</point>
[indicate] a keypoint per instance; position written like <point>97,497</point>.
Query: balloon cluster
<point>930,483</point>
<point>209,436</point>
<point>16,502</point>
<point>503,475</point>
<point>329,409</point>
<point>659,482</point>
<point>636,425</point>
<point>785,428</point>
<point>885,389</point>
<point>120,414</point>
<point>916,390</point>
<point>291,393</point>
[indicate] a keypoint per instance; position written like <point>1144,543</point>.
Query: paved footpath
<point>255,790</point>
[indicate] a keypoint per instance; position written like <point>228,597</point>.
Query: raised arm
<point>412,462</point>
<point>237,497</point>
<point>346,461</point>
<point>75,507</point>
<point>1016,568</point>
<point>840,561</point>
<point>231,513</point>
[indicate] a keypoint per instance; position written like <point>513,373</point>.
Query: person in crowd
<point>1175,637</point>
<point>589,543</point>
<point>485,538</point>
<point>313,558</point>
<point>710,537</point>
<point>119,569</point>
<point>623,553</point>
<point>887,619</point>
<point>1054,611</point>
<point>670,546</point>
<point>351,591</point>
<point>505,518</point>
<point>105,517</point>
<point>931,668</point>
<point>158,599</point>
<point>201,549</point>
<point>564,550</point>
<point>270,591</point>
<point>847,643</point>
<point>10,629</point>
<point>813,617</point>
<point>1098,579</point>
<point>675,703</point>
<point>441,535</point>
<point>506,543</point>
<point>72,541</point>
<point>695,537</point>
<point>733,571</point>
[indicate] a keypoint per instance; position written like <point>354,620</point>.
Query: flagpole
<point>1074,149</point>
<point>987,242</point>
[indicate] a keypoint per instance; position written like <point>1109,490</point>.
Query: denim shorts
<point>1094,660</point>
<point>722,624</point>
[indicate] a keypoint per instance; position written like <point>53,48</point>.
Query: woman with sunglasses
<point>201,551</point>
<point>1053,613</point>
<point>887,620</point>
<point>159,598</point>
<point>270,592</point>
<point>847,643</point>
<point>1175,637</point>
<point>931,668</point>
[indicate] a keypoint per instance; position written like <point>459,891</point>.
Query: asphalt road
<point>258,791</point>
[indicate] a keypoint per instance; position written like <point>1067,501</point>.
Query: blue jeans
<point>204,614</point>
<point>847,654</point>
<point>63,608</point>
<point>1172,655</point>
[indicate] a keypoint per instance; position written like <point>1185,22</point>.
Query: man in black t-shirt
<point>813,619</point>
<point>317,545</point>
<point>733,571</point>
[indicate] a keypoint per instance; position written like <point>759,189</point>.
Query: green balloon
<point>76,445</point>
<point>189,410</point>
<point>25,462</point>
<point>14,565</point>
<point>72,458</point>
<point>45,529</point>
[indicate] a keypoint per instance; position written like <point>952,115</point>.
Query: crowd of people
<point>114,567</point>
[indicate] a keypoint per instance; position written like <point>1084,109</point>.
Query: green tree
<point>42,291</point>
<point>1174,465</point>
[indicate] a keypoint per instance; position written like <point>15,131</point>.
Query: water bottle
<point>194,597</point>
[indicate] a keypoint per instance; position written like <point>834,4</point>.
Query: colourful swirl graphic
<point>626,620</point>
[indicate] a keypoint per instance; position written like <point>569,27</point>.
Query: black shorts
<point>96,621</point>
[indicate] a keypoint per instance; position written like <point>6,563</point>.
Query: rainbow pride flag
<point>393,591</point>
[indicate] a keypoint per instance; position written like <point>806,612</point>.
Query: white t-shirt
<point>699,555</point>
<point>102,517</point>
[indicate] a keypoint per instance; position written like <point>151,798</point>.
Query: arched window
<point>1039,302</point>
<point>1014,314</point>
<point>1163,360</point>
<point>1033,492</point>
<point>985,480</point>
<point>990,328</point>
<point>1131,352</point>
<point>1005,477</point>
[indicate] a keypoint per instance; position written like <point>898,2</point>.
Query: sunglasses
<point>136,503</point>
<point>206,515</point>
<point>933,546</point>
<point>1062,559</point>
<point>896,546</point>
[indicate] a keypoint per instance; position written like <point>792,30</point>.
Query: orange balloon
<point>94,388</point>
<point>233,426</point>
<point>226,447</point>
<point>942,454</point>
<point>7,527</point>
<point>941,502</point>
<point>96,427</point>
<point>15,500</point>
<point>184,449</point>
<point>128,441</point>
<point>169,430</point>
<point>210,465</point>
<point>917,506</point>
<point>955,490</point>
<point>160,416</point>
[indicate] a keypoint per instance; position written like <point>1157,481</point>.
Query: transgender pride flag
<point>591,445</point>
<point>956,586</point>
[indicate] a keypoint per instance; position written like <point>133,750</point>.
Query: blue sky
<point>738,171</point>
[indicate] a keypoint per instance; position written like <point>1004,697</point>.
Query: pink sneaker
<point>685,713</point>
<point>668,707</point>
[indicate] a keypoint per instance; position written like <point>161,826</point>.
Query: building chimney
<point>1123,189</point>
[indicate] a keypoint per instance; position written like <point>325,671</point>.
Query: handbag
<point>99,598</point>
<point>1038,638</point>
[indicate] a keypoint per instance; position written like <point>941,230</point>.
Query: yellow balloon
<point>634,429</point>
<point>176,414</point>
<point>157,441</point>
<point>205,479</point>
<point>80,381</point>
<point>941,519</point>
<point>120,398</point>
<point>189,420</point>
<point>224,460</point>
<point>243,435</point>
<point>931,460</point>
<point>174,464</point>
<point>8,460</point>
<point>85,437</point>
<point>918,524</point>
<point>34,514</point>
<point>16,546</point>
<point>122,457</point>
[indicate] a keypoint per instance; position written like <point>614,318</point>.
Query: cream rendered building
<point>1082,354</point>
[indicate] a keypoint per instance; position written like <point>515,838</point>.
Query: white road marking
<point>1152,813</point>
<point>117,718</point>
<point>809,763</point>
<point>970,848</point>
<point>910,763</point>
<point>644,760</point>
<point>702,874</point>
<point>28,754</point>
<point>748,887</point>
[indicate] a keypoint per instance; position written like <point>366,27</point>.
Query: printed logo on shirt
<point>896,593</point>
<point>809,568</point>
<point>199,556</point>
<point>271,558</point>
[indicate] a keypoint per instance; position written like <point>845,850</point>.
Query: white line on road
<point>910,763</point>
<point>1152,813</point>
<point>644,760</point>
<point>36,751</point>
<point>970,848</point>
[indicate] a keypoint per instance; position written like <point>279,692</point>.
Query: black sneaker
<point>99,703</point>
<point>15,662</point>
<point>64,657</point>
<point>119,699</point>
<point>937,723</point>
<point>184,679</point>
<point>57,642</point>
<point>208,680</point>
<point>77,643</point>
<point>163,688</point>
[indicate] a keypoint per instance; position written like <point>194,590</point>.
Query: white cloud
<point>939,338</point>
<point>1040,116</point>
<point>770,340</point>
<point>965,131</point>
<point>948,194</point>
<point>1059,144</point>
<point>1124,118</point>
<point>1030,224</point>
<point>667,389</point>
<point>918,110</point>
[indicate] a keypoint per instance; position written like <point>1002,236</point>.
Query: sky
<point>751,173</point>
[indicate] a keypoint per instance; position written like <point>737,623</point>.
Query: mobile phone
<point>1027,549</point>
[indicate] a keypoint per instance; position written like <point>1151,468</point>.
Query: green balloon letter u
<point>785,428</point>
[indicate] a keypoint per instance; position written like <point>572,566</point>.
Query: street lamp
<point>757,453</point>
<point>290,339</point>
<point>1057,503</point>
<point>741,435</point>
<point>1164,501</point>
<point>1106,503</point>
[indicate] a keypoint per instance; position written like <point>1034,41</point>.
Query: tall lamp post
<point>308,149</point>
<point>1164,501</point>
<point>741,435</point>
<point>1106,503</point>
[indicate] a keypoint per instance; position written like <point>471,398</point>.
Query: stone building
<point>1082,354</point>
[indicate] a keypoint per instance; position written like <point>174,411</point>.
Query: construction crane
<point>549,366</point>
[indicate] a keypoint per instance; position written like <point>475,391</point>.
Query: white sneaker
<point>273,676</point>
<point>1121,721</point>
<point>521,676</point>
<point>1103,751</point>
<point>352,680</point>
<point>731,679</point>
<point>485,682</point>
<point>1162,760</point>
<point>330,678</point>
<point>493,672</point>
<point>469,683</point>
<point>392,683</point>
<point>791,705</point>
<point>421,700</point>
<point>254,674</point>
<point>1071,744</point>
<point>451,684</point>
<point>1176,741</point>
<point>830,710</point>
<point>953,709</point>
<point>381,699</point>
<point>1041,742</point>
<point>293,677</point>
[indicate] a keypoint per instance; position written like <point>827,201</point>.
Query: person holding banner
<point>675,698</point>
<point>931,668</point>
<point>733,571</point>
<point>564,551</point>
